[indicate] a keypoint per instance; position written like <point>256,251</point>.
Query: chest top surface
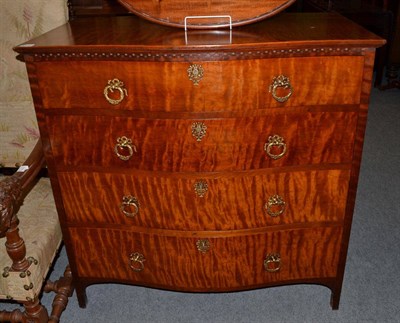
<point>119,34</point>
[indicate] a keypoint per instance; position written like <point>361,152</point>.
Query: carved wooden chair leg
<point>35,312</point>
<point>14,316</point>
<point>63,289</point>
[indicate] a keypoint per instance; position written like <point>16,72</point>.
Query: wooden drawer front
<point>234,262</point>
<point>229,144</point>
<point>235,201</point>
<point>225,86</point>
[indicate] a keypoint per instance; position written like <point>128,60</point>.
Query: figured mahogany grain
<point>232,202</point>
<point>230,144</point>
<point>225,86</point>
<point>231,263</point>
<point>329,61</point>
<point>173,12</point>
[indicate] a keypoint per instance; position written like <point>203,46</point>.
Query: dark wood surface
<point>173,12</point>
<point>329,61</point>
<point>126,34</point>
<point>85,8</point>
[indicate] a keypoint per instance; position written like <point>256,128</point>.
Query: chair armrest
<point>14,188</point>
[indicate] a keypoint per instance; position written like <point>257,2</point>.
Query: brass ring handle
<point>275,206</point>
<point>272,262</point>
<point>113,85</point>
<point>136,261</point>
<point>281,81</point>
<point>275,141</point>
<point>124,144</point>
<point>130,202</point>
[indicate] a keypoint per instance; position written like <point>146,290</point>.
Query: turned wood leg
<point>63,289</point>
<point>14,316</point>
<point>15,247</point>
<point>35,312</point>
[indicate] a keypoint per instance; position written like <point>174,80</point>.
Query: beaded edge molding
<point>176,56</point>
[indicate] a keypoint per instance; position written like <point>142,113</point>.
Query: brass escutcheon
<point>136,261</point>
<point>203,245</point>
<point>195,73</point>
<point>200,187</point>
<point>275,141</point>
<point>275,205</point>
<point>112,85</point>
<point>272,262</point>
<point>283,82</point>
<point>199,130</point>
<point>130,202</point>
<point>125,144</point>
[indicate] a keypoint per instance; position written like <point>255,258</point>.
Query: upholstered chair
<point>30,233</point>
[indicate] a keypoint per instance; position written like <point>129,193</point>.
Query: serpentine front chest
<point>204,161</point>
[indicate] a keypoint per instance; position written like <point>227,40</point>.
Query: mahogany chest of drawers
<point>204,161</point>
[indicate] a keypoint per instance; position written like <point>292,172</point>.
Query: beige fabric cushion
<point>20,21</point>
<point>40,229</point>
